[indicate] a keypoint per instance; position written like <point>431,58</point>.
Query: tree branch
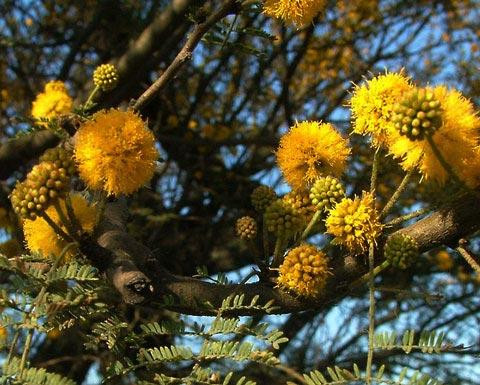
<point>184,54</point>
<point>193,296</point>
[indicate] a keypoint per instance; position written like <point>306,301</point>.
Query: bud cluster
<point>401,250</point>
<point>300,201</point>
<point>246,228</point>
<point>105,76</point>
<point>418,115</point>
<point>43,184</point>
<point>61,158</point>
<point>262,197</point>
<point>283,219</point>
<point>326,192</point>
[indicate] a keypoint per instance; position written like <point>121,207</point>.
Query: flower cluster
<point>41,238</point>
<point>115,152</point>
<point>311,150</point>
<point>52,102</point>
<point>304,271</point>
<point>298,12</point>
<point>354,223</point>
<point>373,105</point>
<point>422,127</point>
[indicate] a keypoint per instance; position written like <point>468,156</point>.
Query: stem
<point>406,217</point>
<point>90,97</point>
<point>469,258</point>
<point>71,215</point>
<point>64,219</point>
<point>266,245</point>
<point>26,351</point>
<point>371,312</point>
<point>364,278</point>
<point>102,204</point>
<point>14,345</point>
<point>55,227</point>
<point>277,254</point>
<point>310,225</point>
<point>394,198</point>
<point>373,179</point>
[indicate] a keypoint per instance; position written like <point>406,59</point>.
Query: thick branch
<point>16,152</point>
<point>196,297</point>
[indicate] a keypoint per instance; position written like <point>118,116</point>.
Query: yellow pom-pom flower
<point>298,12</point>
<point>456,139</point>
<point>304,271</point>
<point>354,223</point>
<point>373,104</point>
<point>310,150</point>
<point>41,238</point>
<point>115,152</point>
<point>52,102</point>
<point>105,76</point>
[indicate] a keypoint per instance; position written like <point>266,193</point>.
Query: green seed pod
<point>418,114</point>
<point>246,228</point>
<point>401,250</point>
<point>262,197</point>
<point>326,192</point>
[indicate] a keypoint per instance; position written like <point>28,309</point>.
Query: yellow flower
<point>115,152</point>
<point>298,12</point>
<point>354,223</point>
<point>372,105</point>
<point>304,271</point>
<point>456,139</point>
<point>310,150</point>
<point>52,102</point>
<point>41,238</point>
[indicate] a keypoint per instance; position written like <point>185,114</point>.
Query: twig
<point>55,227</point>
<point>373,179</point>
<point>71,215</point>
<point>184,54</point>
<point>63,218</point>
<point>468,256</point>
<point>278,253</point>
<point>406,217</point>
<point>266,246</point>
<point>312,223</point>
<point>371,279</point>
<point>371,312</point>
<point>394,198</point>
